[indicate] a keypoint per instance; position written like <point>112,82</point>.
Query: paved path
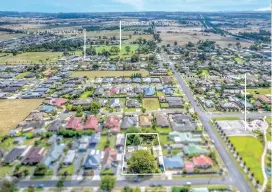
<point>263,159</point>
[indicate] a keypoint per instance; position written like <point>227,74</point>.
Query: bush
<point>180,189</point>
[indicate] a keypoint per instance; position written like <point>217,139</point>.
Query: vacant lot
<point>13,112</point>
<point>193,34</point>
<point>31,57</point>
<point>250,149</point>
<point>92,74</point>
<point>151,104</point>
<point>259,91</point>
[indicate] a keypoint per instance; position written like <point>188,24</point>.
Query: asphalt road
<point>122,183</point>
<point>235,177</point>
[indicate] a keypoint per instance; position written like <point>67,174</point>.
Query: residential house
<point>92,160</point>
<point>188,167</point>
<point>132,103</point>
<point>128,122</point>
<point>174,102</point>
<point>75,123</point>
<point>167,80</point>
<point>94,140</point>
<point>182,122</point>
<point>110,158</point>
<point>149,91</point>
<point>92,123</point>
<point>14,154</point>
<point>54,154</point>
<point>34,156</point>
<point>202,161</point>
<point>115,103</point>
<point>146,121</point>
<point>55,126</point>
<point>173,162</point>
<point>184,137</point>
<point>113,123</point>
<point>162,120</point>
<point>192,149</point>
<point>70,157</point>
<point>82,101</point>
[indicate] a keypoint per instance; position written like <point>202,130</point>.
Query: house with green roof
<point>184,137</point>
<point>191,149</point>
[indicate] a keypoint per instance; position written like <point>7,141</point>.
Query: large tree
<point>8,186</point>
<point>107,183</point>
<point>142,162</point>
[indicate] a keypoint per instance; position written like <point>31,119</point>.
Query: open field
<point>226,118</point>
<point>6,36</point>
<point>250,149</point>
<point>259,91</point>
<point>122,52</point>
<point>151,104</point>
<point>92,74</point>
<point>22,75</point>
<point>30,57</point>
<point>13,112</point>
<point>193,34</point>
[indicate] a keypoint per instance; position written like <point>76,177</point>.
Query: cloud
<point>137,4</point>
<point>263,9</point>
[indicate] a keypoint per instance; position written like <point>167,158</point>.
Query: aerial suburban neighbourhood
<point>133,100</point>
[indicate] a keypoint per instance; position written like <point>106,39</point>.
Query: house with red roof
<point>113,123</point>
<point>110,158</point>
<point>265,99</point>
<point>59,101</point>
<point>114,90</point>
<point>202,161</point>
<point>92,123</point>
<point>75,123</point>
<point>189,167</point>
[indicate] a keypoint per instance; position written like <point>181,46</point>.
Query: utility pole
<point>84,47</point>
<point>245,103</point>
<point>120,43</point>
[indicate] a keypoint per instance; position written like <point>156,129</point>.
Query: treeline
<point>10,30</point>
<point>262,35</point>
<point>56,46</point>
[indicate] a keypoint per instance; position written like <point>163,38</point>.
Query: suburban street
<point>235,177</point>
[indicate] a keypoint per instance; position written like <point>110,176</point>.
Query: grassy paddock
<point>250,149</point>
<point>31,57</point>
<point>92,74</point>
<point>12,112</point>
<point>259,91</point>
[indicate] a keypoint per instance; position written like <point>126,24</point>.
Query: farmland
<point>31,57</point>
<point>93,74</point>
<point>122,52</point>
<point>10,117</point>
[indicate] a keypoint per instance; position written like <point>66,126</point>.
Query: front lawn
<point>103,142</point>
<point>225,118</point>
<point>151,104</point>
<point>68,169</point>
<point>86,94</point>
<point>250,149</point>
<point>258,91</point>
<point>5,170</point>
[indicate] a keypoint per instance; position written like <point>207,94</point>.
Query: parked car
<point>40,186</point>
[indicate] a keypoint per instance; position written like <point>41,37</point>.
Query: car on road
<point>40,186</point>
<point>31,186</point>
<point>212,141</point>
<point>188,183</point>
<point>155,185</point>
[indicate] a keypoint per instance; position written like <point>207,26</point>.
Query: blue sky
<point>133,5</point>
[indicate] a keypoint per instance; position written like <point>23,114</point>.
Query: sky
<point>132,5</point>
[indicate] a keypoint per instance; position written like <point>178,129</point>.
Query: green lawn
<point>225,118</point>
<point>103,141</point>
<point>259,91</point>
<point>22,75</point>
<point>86,94</point>
<point>151,103</point>
<point>69,169</point>
<point>239,60</point>
<point>31,57</point>
<point>164,140</point>
<point>130,110</point>
<point>250,149</point>
<point>204,72</point>
<point>5,170</point>
<point>7,144</point>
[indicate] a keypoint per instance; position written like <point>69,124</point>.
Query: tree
<point>95,107</point>
<point>107,183</point>
<point>114,49</point>
<point>8,186</point>
<point>175,43</point>
<point>127,48</point>
<point>142,162</point>
<point>60,184</point>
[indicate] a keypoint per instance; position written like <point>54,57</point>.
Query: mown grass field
<point>31,57</point>
<point>22,75</point>
<point>93,74</point>
<point>226,118</point>
<point>12,112</point>
<point>259,91</point>
<point>151,103</point>
<point>250,149</point>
